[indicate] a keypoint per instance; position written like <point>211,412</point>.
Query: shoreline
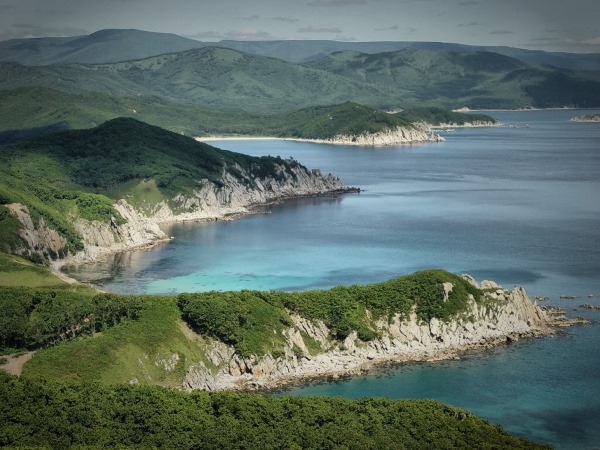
<point>375,366</point>
<point>253,209</point>
<point>371,367</point>
<point>402,340</point>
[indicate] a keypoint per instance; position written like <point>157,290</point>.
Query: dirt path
<point>15,364</point>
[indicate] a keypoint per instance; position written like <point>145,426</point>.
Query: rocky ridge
<point>504,316</point>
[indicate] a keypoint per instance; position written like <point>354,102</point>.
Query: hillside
<point>114,45</point>
<point>107,188</point>
<point>228,79</point>
<point>100,47</point>
<point>39,110</point>
<point>478,80</point>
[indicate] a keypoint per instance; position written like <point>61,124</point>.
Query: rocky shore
<point>399,135</point>
<point>590,118</point>
<point>231,197</point>
<point>503,317</point>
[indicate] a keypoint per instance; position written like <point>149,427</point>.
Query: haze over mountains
<point>125,44</point>
<point>224,78</point>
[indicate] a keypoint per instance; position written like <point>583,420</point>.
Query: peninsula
<point>76,195</point>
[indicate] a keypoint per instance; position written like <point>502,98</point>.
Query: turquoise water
<point>516,205</point>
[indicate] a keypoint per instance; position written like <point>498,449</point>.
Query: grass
<point>124,352</point>
<point>16,271</point>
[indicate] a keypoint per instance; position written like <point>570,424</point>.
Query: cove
<point>515,205</point>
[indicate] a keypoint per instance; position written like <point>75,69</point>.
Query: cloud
<point>334,3</point>
<point>319,30</point>
<point>251,18</point>
<point>411,29</point>
<point>235,35</point>
<point>594,41</point>
<point>468,3</point>
<point>470,24</point>
<point>500,32</point>
<point>391,28</point>
<point>4,8</point>
<point>285,19</point>
<point>27,30</point>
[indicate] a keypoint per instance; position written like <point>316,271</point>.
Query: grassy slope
<point>16,271</point>
<point>247,320</point>
<point>39,409</point>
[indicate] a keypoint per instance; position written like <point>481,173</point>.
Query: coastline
<point>371,367</point>
<point>158,239</point>
<point>402,340</point>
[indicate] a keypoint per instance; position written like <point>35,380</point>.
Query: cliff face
<point>211,201</point>
<point>502,317</point>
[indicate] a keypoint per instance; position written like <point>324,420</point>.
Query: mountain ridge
<point>55,50</point>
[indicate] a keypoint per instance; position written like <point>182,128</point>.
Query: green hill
<point>114,45</point>
<point>43,110</point>
<point>81,173</point>
<point>224,78</point>
<point>99,47</point>
<point>477,80</point>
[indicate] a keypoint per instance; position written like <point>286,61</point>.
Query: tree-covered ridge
<point>225,78</point>
<point>247,319</point>
<point>26,112</point>
<point>80,173</point>
<point>327,122</point>
<point>43,414</point>
<point>34,318</point>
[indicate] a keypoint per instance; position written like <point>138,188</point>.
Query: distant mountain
<point>305,51</point>
<point>121,45</point>
<point>479,80</point>
<point>228,79</point>
<point>99,47</point>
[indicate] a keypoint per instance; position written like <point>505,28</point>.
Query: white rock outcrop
<point>395,136</point>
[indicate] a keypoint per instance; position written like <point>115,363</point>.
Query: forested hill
<point>113,45</point>
<point>60,178</point>
<point>44,110</point>
<point>225,78</point>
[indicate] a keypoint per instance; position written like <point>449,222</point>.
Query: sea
<point>518,204</point>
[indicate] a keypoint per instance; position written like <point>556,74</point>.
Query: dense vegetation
<point>247,319</point>
<point>326,122</point>
<point>66,396</point>
<point>60,416</point>
<point>225,78</point>
<point>43,110</point>
<point>34,318</point>
<point>81,173</point>
<point>121,45</point>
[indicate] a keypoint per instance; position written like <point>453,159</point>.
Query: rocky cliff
<point>503,316</point>
<point>228,197</point>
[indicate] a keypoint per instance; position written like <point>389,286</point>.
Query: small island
<point>586,119</point>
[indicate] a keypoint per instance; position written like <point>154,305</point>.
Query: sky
<point>551,25</point>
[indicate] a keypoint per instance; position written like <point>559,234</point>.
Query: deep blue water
<point>516,205</point>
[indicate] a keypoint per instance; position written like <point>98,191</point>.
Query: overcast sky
<point>553,25</point>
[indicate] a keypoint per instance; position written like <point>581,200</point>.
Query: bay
<point>519,205</point>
